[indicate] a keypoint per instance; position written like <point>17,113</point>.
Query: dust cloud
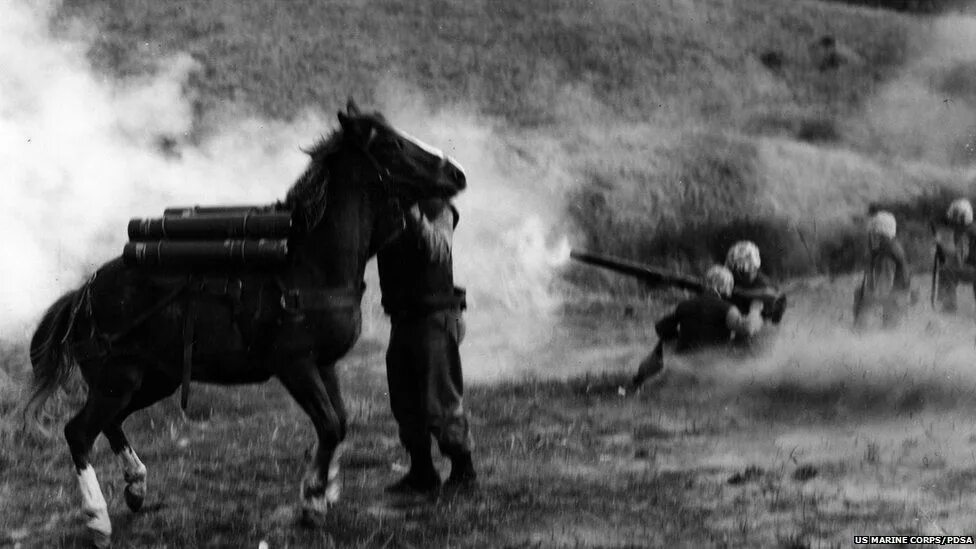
<point>923,121</point>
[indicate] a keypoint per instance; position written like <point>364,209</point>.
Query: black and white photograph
<point>487,273</point>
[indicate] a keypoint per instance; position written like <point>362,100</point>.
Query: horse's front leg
<point>133,470</point>
<point>321,484</point>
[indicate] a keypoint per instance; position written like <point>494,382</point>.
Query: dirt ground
<point>815,437</point>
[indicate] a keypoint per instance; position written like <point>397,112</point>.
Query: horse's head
<point>372,172</point>
<point>411,169</point>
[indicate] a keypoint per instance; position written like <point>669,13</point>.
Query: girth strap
<point>189,321</point>
<point>296,300</point>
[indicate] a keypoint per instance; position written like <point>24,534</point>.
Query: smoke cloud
<point>82,153</point>
<point>511,239</point>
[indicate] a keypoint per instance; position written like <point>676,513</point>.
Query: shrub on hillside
<point>913,6</point>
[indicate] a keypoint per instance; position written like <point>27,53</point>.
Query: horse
<point>130,331</point>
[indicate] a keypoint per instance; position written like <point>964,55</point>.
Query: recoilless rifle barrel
<point>774,305</point>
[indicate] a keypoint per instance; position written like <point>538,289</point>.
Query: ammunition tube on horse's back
<point>206,254</point>
<point>188,211</point>
<point>211,227</point>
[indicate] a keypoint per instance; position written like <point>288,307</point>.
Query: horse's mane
<point>307,197</point>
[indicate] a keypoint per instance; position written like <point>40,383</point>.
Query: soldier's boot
<point>422,478</point>
<point>463,475</point>
<point>651,366</point>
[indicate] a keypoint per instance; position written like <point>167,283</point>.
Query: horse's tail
<point>50,353</point>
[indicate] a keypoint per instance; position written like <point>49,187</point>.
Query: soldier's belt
<point>427,303</point>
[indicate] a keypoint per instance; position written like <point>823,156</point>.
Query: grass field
<point>805,446</point>
<point>659,130</point>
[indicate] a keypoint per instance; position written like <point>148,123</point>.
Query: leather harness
<point>294,301</point>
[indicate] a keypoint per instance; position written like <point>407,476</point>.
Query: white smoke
<point>80,153</point>
<point>511,239</point>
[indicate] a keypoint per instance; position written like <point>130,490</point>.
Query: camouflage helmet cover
<point>960,212</point>
<point>883,224</point>
<point>743,257</point>
<point>719,278</point>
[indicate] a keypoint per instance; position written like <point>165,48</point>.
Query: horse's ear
<point>344,120</point>
<point>351,108</point>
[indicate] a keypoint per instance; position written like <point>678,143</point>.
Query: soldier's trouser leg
<point>652,365</point>
<point>444,392</point>
<point>405,377</point>
<point>860,312</point>
<point>947,289</point>
<point>893,311</point>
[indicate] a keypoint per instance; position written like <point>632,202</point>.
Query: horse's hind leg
<point>321,485</point>
<point>133,470</point>
<point>106,399</point>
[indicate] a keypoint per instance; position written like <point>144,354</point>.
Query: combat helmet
<point>719,278</point>
<point>743,259</point>
<point>883,224</point>
<point>960,212</point>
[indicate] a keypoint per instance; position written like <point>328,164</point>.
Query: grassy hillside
<point>687,124</point>
<point>690,59</point>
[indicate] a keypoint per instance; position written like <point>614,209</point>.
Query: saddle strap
<point>189,320</point>
<point>296,300</point>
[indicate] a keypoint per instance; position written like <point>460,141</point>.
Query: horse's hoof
<point>100,539</point>
<point>313,514</point>
<point>316,506</point>
<point>135,496</point>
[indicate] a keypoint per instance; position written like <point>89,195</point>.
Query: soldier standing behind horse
<point>887,281</point>
<point>956,260</point>
<point>707,320</point>
<point>423,363</point>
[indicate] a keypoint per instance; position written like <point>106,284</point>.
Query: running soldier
<point>887,281</point>
<point>423,364</point>
<point>708,320</point>
<point>956,260</point>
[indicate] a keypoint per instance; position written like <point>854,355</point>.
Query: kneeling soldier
<point>750,284</point>
<point>887,282</point>
<point>704,321</point>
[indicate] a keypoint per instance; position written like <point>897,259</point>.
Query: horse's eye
<point>398,143</point>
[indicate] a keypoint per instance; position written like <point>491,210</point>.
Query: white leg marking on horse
<point>333,484</point>
<point>135,478</point>
<point>94,507</point>
<point>132,466</point>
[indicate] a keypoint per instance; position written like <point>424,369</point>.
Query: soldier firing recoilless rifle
<point>774,304</point>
